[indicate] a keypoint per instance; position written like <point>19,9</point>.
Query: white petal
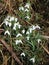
<point>6,23</point>
<point>8,17</point>
<point>16,19</point>
<point>39,40</point>
<point>17,23</point>
<point>27,17</point>
<point>19,26</point>
<point>23,54</point>
<point>26,10</point>
<point>30,30</point>
<point>23,31</point>
<point>33,60</point>
<point>10,24</point>
<point>11,18</point>
<point>27,37</point>
<point>33,27</point>
<point>37,26</point>
<point>27,32</point>
<point>18,41</point>
<point>7,32</point>
<point>14,28</point>
<point>21,8</point>
<point>27,5</point>
<point>18,35</point>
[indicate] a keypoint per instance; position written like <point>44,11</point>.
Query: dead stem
<point>45,49</point>
<point>11,51</point>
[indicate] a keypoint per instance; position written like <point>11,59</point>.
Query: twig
<point>45,49</point>
<point>12,53</point>
<point>1,24</point>
<point>44,36</point>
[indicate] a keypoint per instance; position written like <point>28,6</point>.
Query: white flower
<point>33,27</point>
<point>33,60</point>
<point>37,27</point>
<point>14,28</point>
<point>27,32</point>
<point>23,31</point>
<point>39,40</point>
<point>30,30</point>
<point>21,8</point>
<point>27,17</point>
<point>18,41</point>
<point>19,26</point>
<point>16,19</point>
<point>16,24</point>
<point>23,54</point>
<point>11,18</point>
<point>26,10</point>
<point>7,32</point>
<point>18,35</point>
<point>6,22</point>
<point>10,24</point>
<point>7,18</point>
<point>27,37</point>
<point>27,5</point>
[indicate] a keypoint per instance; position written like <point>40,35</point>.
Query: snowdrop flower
<point>37,27</point>
<point>14,28</point>
<point>33,27</point>
<point>21,8</point>
<point>7,32</point>
<point>30,30</point>
<point>27,5</point>
<point>27,32</point>
<point>23,31</point>
<point>7,18</point>
<point>26,10</point>
<point>33,60</point>
<point>27,37</point>
<point>11,18</point>
<point>10,24</point>
<point>17,23</point>
<point>18,41</point>
<point>6,22</point>
<point>19,26</point>
<point>39,40</point>
<point>16,19</point>
<point>27,17</point>
<point>18,35</point>
<point>23,54</point>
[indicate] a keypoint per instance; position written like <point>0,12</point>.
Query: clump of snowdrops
<point>27,40</point>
